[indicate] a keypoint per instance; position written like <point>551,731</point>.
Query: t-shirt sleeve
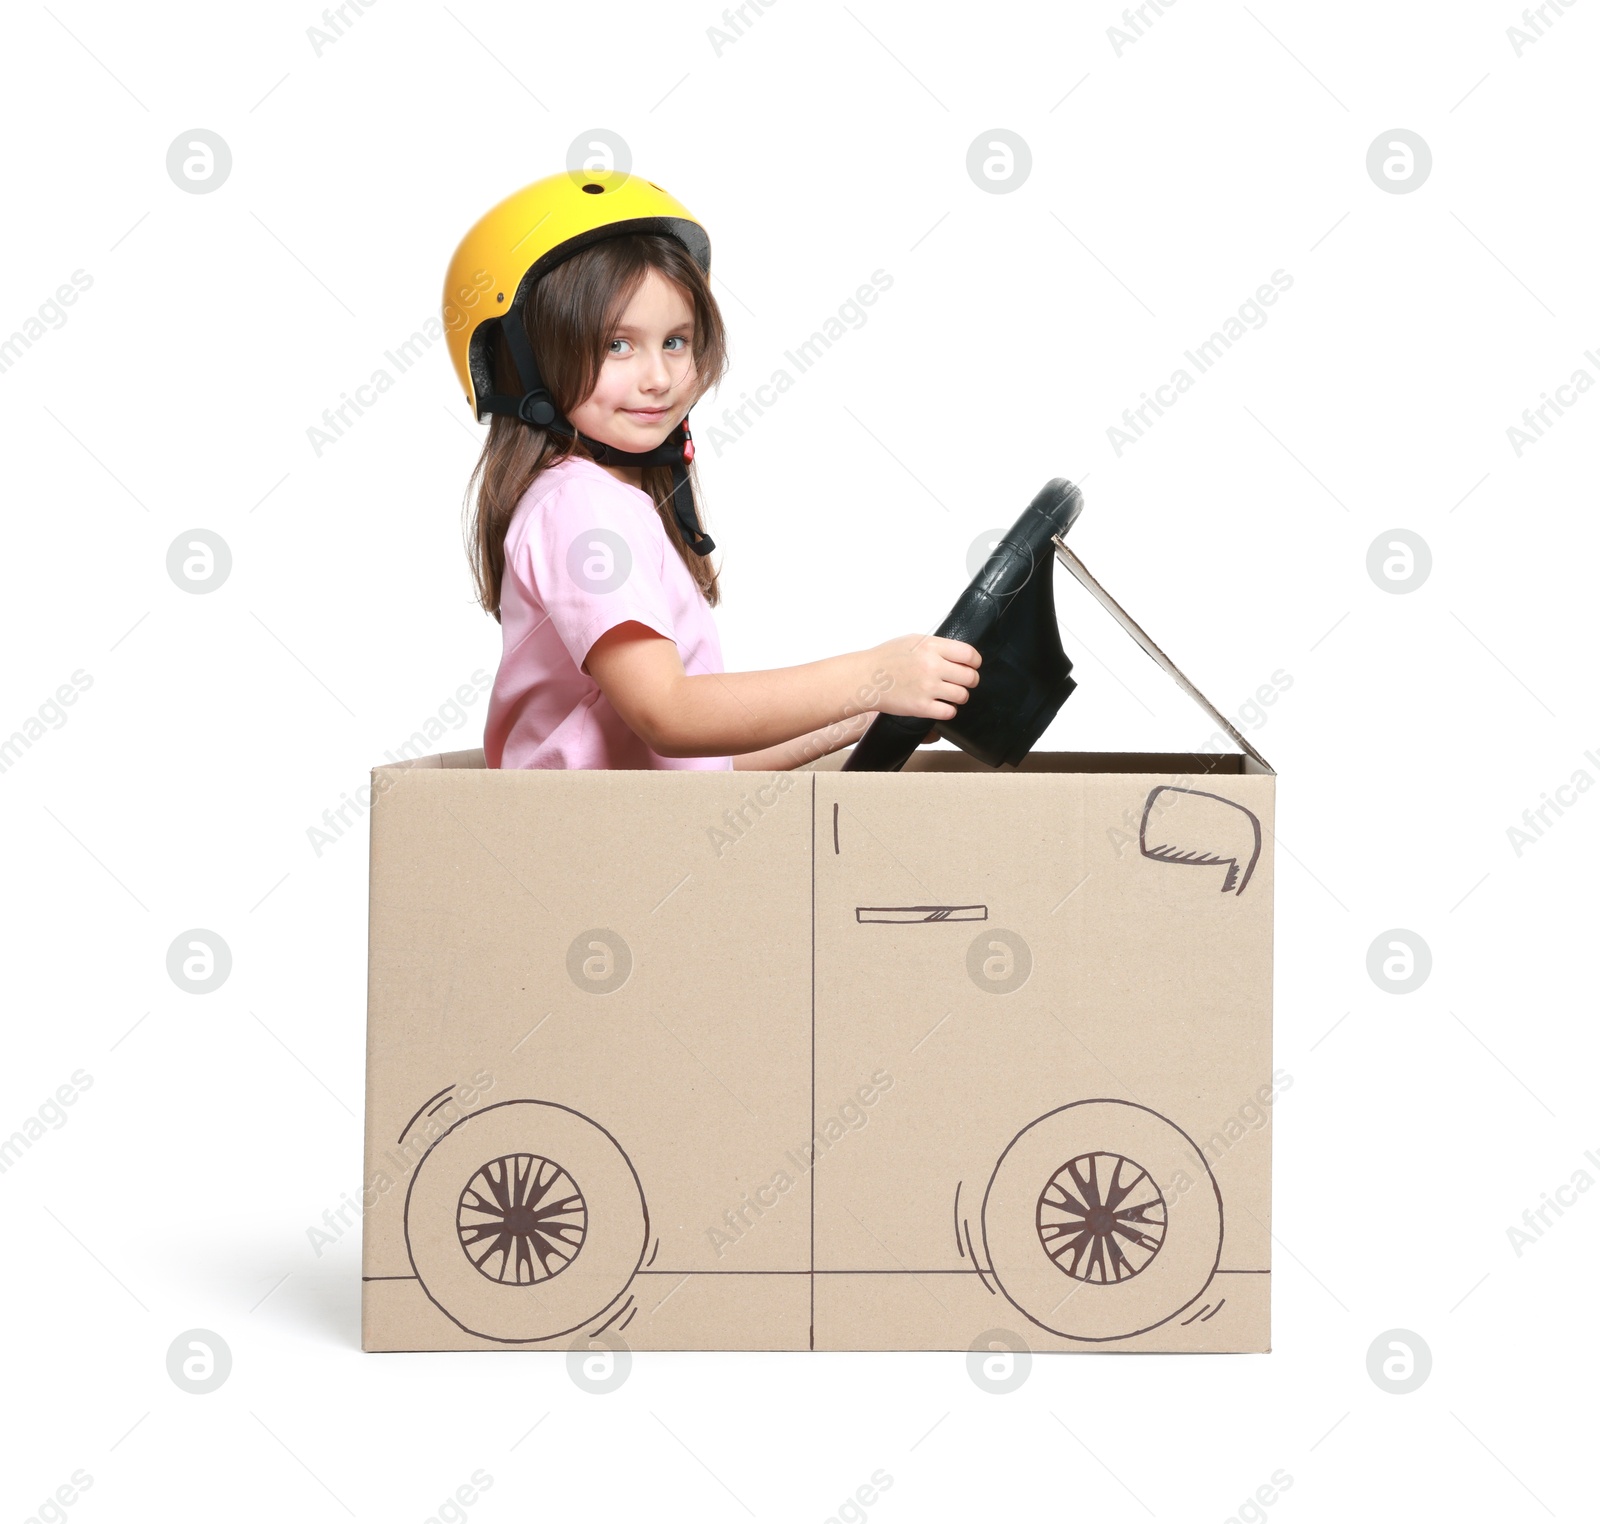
<point>591,560</point>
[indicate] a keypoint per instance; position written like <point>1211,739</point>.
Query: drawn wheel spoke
<point>521,1219</point>
<point>1101,1218</point>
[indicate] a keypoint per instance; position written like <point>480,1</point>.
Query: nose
<point>657,375</point>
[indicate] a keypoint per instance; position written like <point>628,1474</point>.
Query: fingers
<point>960,651</point>
<point>937,676</point>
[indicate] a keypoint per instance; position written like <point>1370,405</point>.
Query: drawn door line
<point>918,914</point>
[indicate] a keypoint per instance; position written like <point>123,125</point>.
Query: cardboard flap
<point>1070,560</point>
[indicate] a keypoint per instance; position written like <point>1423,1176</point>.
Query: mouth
<point>647,414</point>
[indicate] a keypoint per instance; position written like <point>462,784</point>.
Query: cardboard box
<point>822,1059</point>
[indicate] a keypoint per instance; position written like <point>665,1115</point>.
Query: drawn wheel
<point>1102,1220</point>
<point>521,1219</point>
<point>524,1221</point>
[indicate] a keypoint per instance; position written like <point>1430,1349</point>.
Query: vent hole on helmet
<point>595,190</point>
<point>653,186</point>
<point>500,296</point>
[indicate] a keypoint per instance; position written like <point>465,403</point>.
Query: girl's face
<point>647,376</point>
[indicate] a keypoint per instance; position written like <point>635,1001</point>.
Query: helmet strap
<point>536,406</point>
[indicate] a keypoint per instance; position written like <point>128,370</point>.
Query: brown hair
<point>568,315</point>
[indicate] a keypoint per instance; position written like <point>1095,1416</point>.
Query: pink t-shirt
<point>586,552</point>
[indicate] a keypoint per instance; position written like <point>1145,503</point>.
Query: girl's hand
<point>923,676</point>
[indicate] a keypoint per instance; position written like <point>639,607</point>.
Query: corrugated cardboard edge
<point>472,758</point>
<point>1070,560</point>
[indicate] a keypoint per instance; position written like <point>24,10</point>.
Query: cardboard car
<point>823,1059</point>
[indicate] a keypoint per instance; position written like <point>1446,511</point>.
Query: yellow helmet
<point>508,248</point>
<point>495,266</point>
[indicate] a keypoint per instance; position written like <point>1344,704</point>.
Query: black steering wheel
<point>1009,614</point>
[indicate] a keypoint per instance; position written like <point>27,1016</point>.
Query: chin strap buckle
<point>535,407</point>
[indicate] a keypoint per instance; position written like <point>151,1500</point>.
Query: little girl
<point>579,313</point>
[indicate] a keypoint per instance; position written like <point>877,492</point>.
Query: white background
<point>825,142</point>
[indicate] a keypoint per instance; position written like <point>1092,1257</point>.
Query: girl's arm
<point>789,755</point>
<point>807,748</point>
<point>754,714</point>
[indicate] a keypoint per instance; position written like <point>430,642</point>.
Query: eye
<point>679,339</point>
